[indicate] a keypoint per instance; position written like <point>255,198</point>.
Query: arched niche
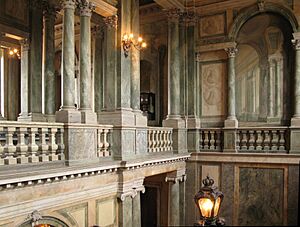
<point>45,220</point>
<point>264,69</point>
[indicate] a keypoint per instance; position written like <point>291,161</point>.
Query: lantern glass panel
<point>206,206</point>
<point>217,206</point>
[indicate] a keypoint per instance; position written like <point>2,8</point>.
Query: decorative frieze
<point>111,22</point>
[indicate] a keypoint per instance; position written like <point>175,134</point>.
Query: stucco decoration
<point>213,89</point>
<point>212,25</point>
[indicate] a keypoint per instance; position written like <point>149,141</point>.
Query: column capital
<point>173,14</point>
<point>50,11</point>
<point>189,18</point>
<point>296,43</point>
<point>231,51</point>
<point>68,4</point>
<point>24,44</point>
<point>111,21</point>
<point>98,31</point>
<point>86,8</point>
<point>176,176</point>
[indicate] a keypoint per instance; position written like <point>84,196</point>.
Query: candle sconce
<point>128,41</point>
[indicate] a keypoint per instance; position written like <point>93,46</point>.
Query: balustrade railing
<point>103,140</point>
<point>159,139</point>
<point>271,139</point>
<point>211,139</point>
<point>22,143</point>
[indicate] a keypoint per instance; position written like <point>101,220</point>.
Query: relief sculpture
<point>212,25</point>
<point>212,89</point>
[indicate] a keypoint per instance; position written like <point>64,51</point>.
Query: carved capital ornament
<point>111,22</point>
<point>231,51</point>
<point>86,8</point>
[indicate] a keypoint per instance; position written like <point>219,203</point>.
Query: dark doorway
<point>149,207</point>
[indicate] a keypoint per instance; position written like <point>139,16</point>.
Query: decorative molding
<point>261,5</point>
<point>173,14</point>
<point>86,8</point>
<point>24,44</point>
<point>104,8</point>
<point>34,218</point>
<point>111,21</point>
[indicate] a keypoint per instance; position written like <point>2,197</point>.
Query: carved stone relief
<point>212,25</point>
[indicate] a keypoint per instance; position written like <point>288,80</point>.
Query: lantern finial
<point>208,182</point>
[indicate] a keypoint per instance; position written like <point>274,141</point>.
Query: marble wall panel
<point>106,212</point>
<point>76,215</point>
<point>261,196</point>
<point>213,171</point>
<point>213,88</point>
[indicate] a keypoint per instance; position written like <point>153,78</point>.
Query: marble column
<point>98,69</point>
<point>183,72</point>
<point>125,212</point>
<point>193,120</point>
<point>49,70</point>
<point>231,120</point>
<point>67,112</point>
<point>36,54</point>
<point>110,58</point>
<point>135,67</point>
<point>87,115</point>
<point>297,80</point>
<point>279,85</point>
<point>173,64</point>
<point>174,201</point>
<point>2,80</point>
<point>24,80</point>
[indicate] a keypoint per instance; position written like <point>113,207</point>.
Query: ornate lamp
<point>128,41</point>
<point>208,201</point>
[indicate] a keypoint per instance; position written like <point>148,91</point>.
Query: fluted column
<point>36,47</point>
<point>24,80</point>
<point>49,69</point>
<point>67,112</point>
<point>231,120</point>
<point>87,115</point>
<point>271,93</point>
<point>98,69</point>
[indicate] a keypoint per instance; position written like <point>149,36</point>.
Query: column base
<point>174,123</point>
<point>124,117</point>
<point>193,122</point>
<point>88,117</point>
<point>32,117</point>
<point>231,123</point>
<point>2,118</point>
<point>295,121</point>
<point>50,117</point>
<point>68,116</point>
<point>140,119</point>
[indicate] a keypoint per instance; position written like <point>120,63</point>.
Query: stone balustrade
<point>211,139</point>
<point>103,140</point>
<point>262,139</point>
<point>22,143</point>
<point>160,139</point>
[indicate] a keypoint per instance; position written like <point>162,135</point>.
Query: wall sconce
<point>14,52</point>
<point>208,201</point>
<point>128,41</point>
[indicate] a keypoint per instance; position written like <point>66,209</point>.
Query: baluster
<point>282,145</point>
<point>2,154</point>
<point>206,140</point>
<point>201,142</point>
<point>163,141</point>
<point>10,148</point>
<point>99,142</point>
<point>259,140</point>
<point>218,140</point>
<point>106,144</point>
<point>251,140</point>
<point>149,139</point>
<point>274,140</point>
<point>239,140</point>
<point>32,146</point>
<point>170,139</point>
<point>267,140</point>
<point>43,146</point>
<point>244,140</point>
<point>158,144</point>
<point>212,140</point>
<point>154,141</point>
<point>22,148</point>
<point>52,144</point>
<point>60,143</point>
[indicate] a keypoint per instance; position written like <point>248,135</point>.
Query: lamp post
<point>208,201</point>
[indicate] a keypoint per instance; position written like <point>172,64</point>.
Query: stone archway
<point>36,219</point>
